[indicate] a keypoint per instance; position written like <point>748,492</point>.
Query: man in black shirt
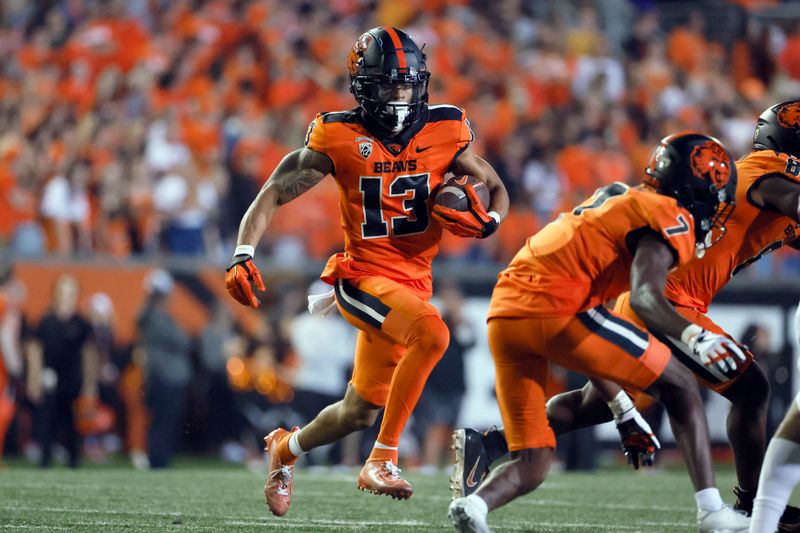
<point>62,365</point>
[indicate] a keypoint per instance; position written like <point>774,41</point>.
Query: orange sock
<point>287,457</point>
<point>428,341</point>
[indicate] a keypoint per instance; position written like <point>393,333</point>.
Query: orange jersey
<point>385,191</point>
<point>583,258</point>
<point>751,233</point>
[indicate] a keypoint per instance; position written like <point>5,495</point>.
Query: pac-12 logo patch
<point>364,146</point>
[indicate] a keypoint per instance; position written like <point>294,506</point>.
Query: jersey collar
<point>394,143</point>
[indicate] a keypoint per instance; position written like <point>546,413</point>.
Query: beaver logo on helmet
<point>356,57</point>
<point>778,129</point>
<point>709,160</point>
<point>789,114</point>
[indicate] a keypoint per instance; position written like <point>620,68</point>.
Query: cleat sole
<point>458,440</point>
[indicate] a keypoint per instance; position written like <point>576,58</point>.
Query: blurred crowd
<point>72,390</point>
<point>147,126</point>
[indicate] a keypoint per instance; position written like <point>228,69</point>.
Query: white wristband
<point>495,215</point>
<point>691,331</point>
<point>620,404</point>
<point>244,249</point>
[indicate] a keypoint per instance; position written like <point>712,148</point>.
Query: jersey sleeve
<point>316,138</point>
<point>465,133</point>
<point>675,226</point>
<point>780,164</point>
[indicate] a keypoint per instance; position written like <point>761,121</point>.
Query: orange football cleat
<point>278,490</point>
<point>383,477</point>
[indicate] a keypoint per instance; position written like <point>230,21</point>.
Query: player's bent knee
<point>430,334</point>
<point>752,387</point>
<point>358,419</point>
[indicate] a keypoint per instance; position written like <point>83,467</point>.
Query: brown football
<point>452,194</point>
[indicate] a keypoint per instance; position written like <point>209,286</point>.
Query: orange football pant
<point>595,342</point>
<point>402,338</point>
<point>710,377</point>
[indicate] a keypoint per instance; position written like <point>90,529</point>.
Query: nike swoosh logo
<point>422,149</point>
<point>471,477</point>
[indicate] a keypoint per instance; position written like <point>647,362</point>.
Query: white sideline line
<point>527,501</point>
<point>506,525</point>
<point>12,526</point>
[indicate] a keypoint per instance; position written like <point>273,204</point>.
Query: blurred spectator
<point>62,366</point>
<point>217,344</point>
<point>101,318</point>
<point>438,409</point>
<point>125,125</point>
<point>12,294</point>
<point>168,368</point>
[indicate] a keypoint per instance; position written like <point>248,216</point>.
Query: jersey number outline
<point>416,222</point>
<point>681,229</point>
<point>768,249</point>
<point>601,195</point>
<point>792,167</point>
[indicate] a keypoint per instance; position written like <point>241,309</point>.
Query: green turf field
<point>196,497</point>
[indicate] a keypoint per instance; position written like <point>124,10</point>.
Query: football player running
<point>547,307</point>
<point>766,218</point>
<point>387,156</point>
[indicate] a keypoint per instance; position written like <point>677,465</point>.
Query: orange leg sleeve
<point>428,341</point>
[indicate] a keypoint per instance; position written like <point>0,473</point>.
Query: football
<point>452,193</point>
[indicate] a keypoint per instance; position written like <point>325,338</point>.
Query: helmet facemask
<point>710,219</point>
<point>378,97</point>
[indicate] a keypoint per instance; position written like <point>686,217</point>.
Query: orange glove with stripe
<point>240,274</point>
<point>475,222</point>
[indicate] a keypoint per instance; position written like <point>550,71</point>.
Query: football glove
<point>240,273</point>
<point>638,441</point>
<point>713,349</point>
<point>475,222</point>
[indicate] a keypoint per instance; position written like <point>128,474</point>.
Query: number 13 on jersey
<point>406,205</point>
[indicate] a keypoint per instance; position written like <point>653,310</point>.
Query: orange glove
<point>473,223</point>
<point>240,273</point>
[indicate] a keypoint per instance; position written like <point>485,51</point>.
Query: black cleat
<point>471,462</point>
<point>494,442</point>
<point>744,500</point>
<point>790,520</point>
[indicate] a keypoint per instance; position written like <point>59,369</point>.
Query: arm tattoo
<point>293,184</point>
<point>298,172</point>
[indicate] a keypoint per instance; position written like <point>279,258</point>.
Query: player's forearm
<point>650,304</point>
<point>258,217</point>
<point>499,201</point>
<point>607,390</point>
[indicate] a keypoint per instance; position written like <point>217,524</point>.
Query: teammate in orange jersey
<point>547,307</point>
<point>387,156</point>
<point>766,218</point>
